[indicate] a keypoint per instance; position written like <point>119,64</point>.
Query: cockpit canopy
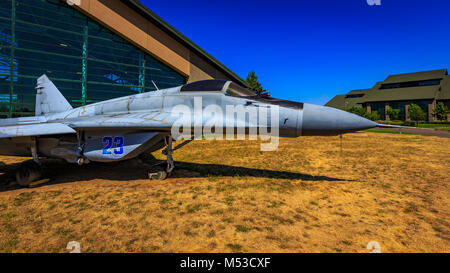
<point>230,88</point>
<point>227,87</point>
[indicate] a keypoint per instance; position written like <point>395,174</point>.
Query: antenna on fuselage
<point>155,85</point>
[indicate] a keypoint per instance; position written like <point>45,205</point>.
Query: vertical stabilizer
<point>48,98</point>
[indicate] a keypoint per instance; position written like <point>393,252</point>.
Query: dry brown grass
<point>228,196</point>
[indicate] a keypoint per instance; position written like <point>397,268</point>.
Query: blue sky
<point>311,50</point>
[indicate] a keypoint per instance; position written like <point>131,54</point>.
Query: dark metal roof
<point>357,91</point>
<point>336,102</point>
<point>406,88</point>
<point>401,94</point>
<point>150,15</point>
<point>341,102</point>
<point>416,76</point>
<point>444,93</point>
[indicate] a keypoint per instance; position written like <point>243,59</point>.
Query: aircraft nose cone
<point>323,121</point>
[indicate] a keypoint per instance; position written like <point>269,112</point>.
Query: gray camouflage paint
<point>144,120</point>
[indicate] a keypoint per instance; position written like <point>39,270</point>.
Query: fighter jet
<point>125,127</point>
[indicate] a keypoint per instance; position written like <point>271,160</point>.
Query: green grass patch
<point>23,197</point>
<point>234,247</point>
<point>434,125</point>
<point>164,201</point>
<point>242,228</point>
<point>411,208</point>
<point>387,131</point>
<point>193,208</point>
<point>227,220</point>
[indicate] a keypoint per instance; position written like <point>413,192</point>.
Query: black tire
<point>157,173</point>
<point>27,173</point>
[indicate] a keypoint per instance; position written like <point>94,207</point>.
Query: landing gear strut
<point>162,170</point>
<point>31,170</point>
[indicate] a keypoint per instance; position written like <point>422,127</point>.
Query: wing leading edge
<point>38,129</point>
<point>160,121</point>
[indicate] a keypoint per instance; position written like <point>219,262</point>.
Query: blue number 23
<point>109,141</point>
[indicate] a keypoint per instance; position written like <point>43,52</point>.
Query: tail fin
<point>48,98</point>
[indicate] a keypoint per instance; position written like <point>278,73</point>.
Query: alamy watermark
<point>373,2</point>
<point>224,122</point>
<point>374,246</point>
<point>74,247</point>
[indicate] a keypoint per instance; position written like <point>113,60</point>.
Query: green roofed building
<point>349,100</point>
<point>425,89</point>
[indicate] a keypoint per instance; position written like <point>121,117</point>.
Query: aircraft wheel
<point>27,173</point>
<point>157,173</point>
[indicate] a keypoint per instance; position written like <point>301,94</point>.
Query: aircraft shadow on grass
<point>61,172</point>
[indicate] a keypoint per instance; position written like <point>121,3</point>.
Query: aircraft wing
<point>154,121</point>
<point>133,133</point>
<point>158,120</point>
<point>38,129</point>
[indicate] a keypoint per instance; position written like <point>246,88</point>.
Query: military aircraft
<point>125,127</point>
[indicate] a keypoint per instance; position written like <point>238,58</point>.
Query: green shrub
<point>373,115</point>
<point>363,113</point>
<point>441,111</point>
<point>392,122</point>
<point>437,122</point>
<point>409,123</point>
<point>393,113</point>
<point>416,113</point>
<point>357,110</point>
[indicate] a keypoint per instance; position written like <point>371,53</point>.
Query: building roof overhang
<point>401,94</point>
<point>416,76</point>
<point>341,102</point>
<point>154,18</point>
<point>357,91</point>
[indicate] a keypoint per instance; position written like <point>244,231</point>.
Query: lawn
<point>436,126</point>
<point>311,195</point>
<point>443,127</point>
<point>387,131</point>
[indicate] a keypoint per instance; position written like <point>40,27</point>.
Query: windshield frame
<point>233,89</point>
<point>211,85</point>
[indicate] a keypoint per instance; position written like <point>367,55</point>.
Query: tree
<point>416,113</point>
<point>363,113</point>
<point>253,83</point>
<point>358,111</point>
<point>373,115</point>
<point>393,113</point>
<point>441,111</point>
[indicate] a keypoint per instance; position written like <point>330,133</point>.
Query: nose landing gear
<point>158,172</point>
<point>162,170</point>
